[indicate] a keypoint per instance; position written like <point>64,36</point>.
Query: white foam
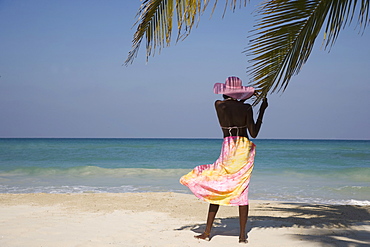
<point>358,203</point>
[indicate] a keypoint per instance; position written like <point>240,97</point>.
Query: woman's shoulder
<point>247,106</point>
<point>218,102</point>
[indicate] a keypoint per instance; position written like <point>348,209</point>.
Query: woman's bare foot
<point>243,241</point>
<point>204,236</point>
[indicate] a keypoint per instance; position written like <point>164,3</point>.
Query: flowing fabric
<point>226,181</point>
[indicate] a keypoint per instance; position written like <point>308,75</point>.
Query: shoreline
<point>171,219</point>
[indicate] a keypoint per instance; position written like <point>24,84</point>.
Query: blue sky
<point>62,75</point>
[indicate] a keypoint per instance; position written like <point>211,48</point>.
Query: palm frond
<point>155,19</point>
<point>155,22</point>
<point>285,34</point>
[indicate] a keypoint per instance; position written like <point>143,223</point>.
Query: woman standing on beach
<point>226,181</point>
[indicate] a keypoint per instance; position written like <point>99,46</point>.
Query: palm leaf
<point>155,19</point>
<point>285,34</point>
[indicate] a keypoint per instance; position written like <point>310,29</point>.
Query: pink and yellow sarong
<point>226,181</point>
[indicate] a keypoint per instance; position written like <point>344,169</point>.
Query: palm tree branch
<point>284,37</point>
<point>280,31</point>
<point>341,14</point>
<point>155,22</point>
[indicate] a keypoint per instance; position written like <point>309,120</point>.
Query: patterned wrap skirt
<point>226,181</point>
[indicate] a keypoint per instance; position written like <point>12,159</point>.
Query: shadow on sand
<point>326,225</point>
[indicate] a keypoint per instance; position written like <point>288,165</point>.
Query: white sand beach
<point>171,219</point>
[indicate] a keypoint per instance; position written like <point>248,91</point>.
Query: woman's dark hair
<point>226,96</point>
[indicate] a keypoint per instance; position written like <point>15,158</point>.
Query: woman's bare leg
<point>212,211</point>
<point>243,217</point>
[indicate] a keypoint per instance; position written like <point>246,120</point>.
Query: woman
<point>226,181</point>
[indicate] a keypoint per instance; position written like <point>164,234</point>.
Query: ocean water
<point>314,171</point>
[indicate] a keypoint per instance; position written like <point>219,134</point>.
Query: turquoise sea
<point>314,171</point>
